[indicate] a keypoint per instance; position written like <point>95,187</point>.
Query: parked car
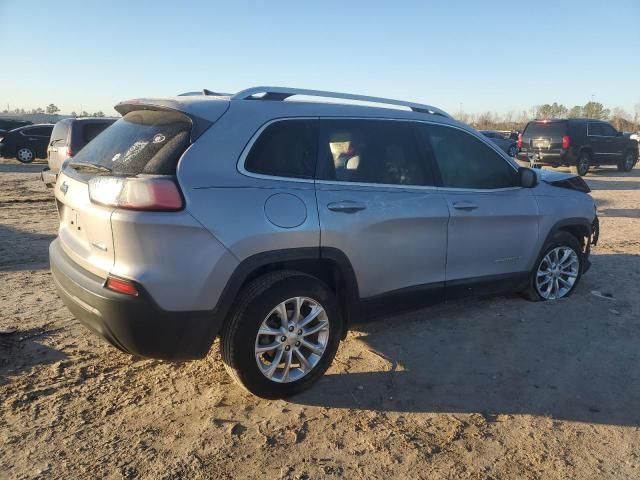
<point>67,138</point>
<point>508,145</point>
<point>241,217</point>
<point>578,143</point>
<point>26,143</point>
<point>8,124</point>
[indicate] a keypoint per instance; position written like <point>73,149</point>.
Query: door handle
<point>464,205</point>
<point>346,206</point>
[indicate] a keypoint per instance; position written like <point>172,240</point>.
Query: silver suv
<point>274,224</point>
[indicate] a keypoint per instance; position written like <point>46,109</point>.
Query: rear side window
<point>373,151</point>
<point>608,130</point>
<point>466,162</point>
<point>60,133</point>
<point>545,129</point>
<point>143,141</point>
<point>285,149</point>
<point>39,131</point>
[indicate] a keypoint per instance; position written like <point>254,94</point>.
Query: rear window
<point>545,129</point>
<point>143,141</point>
<point>91,131</point>
<point>60,133</point>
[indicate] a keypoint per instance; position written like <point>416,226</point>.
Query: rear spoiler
<point>200,124</point>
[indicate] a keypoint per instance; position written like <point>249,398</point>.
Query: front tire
<point>25,155</point>
<point>283,334</point>
<point>582,164</point>
<point>513,151</point>
<point>627,163</point>
<point>558,269</point>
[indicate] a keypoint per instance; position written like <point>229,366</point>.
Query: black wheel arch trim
<point>247,269</point>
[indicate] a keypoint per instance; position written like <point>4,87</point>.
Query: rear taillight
<point>566,142</point>
<point>69,152</point>
<point>519,142</point>
<point>150,193</point>
<point>121,286</point>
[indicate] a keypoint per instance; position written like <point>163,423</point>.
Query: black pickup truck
<point>578,143</point>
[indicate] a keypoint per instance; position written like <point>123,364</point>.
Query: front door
<point>493,228</point>
<point>377,204</point>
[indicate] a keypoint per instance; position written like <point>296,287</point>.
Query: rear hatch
<point>143,144</point>
<point>544,136</point>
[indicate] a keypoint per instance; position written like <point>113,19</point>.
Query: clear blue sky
<point>485,55</point>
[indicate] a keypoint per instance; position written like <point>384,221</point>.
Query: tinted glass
<point>595,128</point>
<point>60,133</point>
<point>608,130</point>
<point>143,141</point>
<point>466,162</point>
<point>373,151</point>
<point>545,129</point>
<point>42,131</point>
<point>285,149</point>
<point>91,130</point>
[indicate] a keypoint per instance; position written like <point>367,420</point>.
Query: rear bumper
<point>547,158</point>
<point>135,325</point>
<point>48,177</point>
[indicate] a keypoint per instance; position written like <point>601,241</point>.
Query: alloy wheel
<point>557,273</point>
<point>292,339</point>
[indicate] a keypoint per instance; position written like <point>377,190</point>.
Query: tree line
<point>517,120</point>
<point>52,109</point>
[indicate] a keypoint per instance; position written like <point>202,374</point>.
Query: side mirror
<point>620,134</point>
<point>528,177</point>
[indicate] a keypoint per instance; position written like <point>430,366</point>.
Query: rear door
<point>543,138</point>
<point>493,228</point>
<point>38,138</point>
<point>378,205</point>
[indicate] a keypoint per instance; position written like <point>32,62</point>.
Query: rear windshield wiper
<point>89,166</point>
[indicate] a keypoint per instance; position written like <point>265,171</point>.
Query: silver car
<point>274,224</point>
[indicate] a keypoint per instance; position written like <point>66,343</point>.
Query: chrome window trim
<point>240,165</point>
<point>254,138</point>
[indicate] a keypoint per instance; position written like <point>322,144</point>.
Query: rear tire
<point>25,155</point>
<point>568,273</point>
<point>513,151</point>
<point>260,308</point>
<point>627,163</point>
<point>582,164</point>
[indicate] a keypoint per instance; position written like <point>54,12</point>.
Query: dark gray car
<point>508,145</point>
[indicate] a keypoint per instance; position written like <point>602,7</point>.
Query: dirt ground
<point>491,388</point>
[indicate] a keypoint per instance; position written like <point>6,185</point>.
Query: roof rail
<point>282,93</point>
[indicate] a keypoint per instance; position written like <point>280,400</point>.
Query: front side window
<point>466,162</point>
<point>608,130</point>
<point>373,151</point>
<point>595,129</point>
<point>285,149</point>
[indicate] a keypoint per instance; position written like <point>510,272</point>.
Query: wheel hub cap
<point>557,273</point>
<point>292,339</point>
